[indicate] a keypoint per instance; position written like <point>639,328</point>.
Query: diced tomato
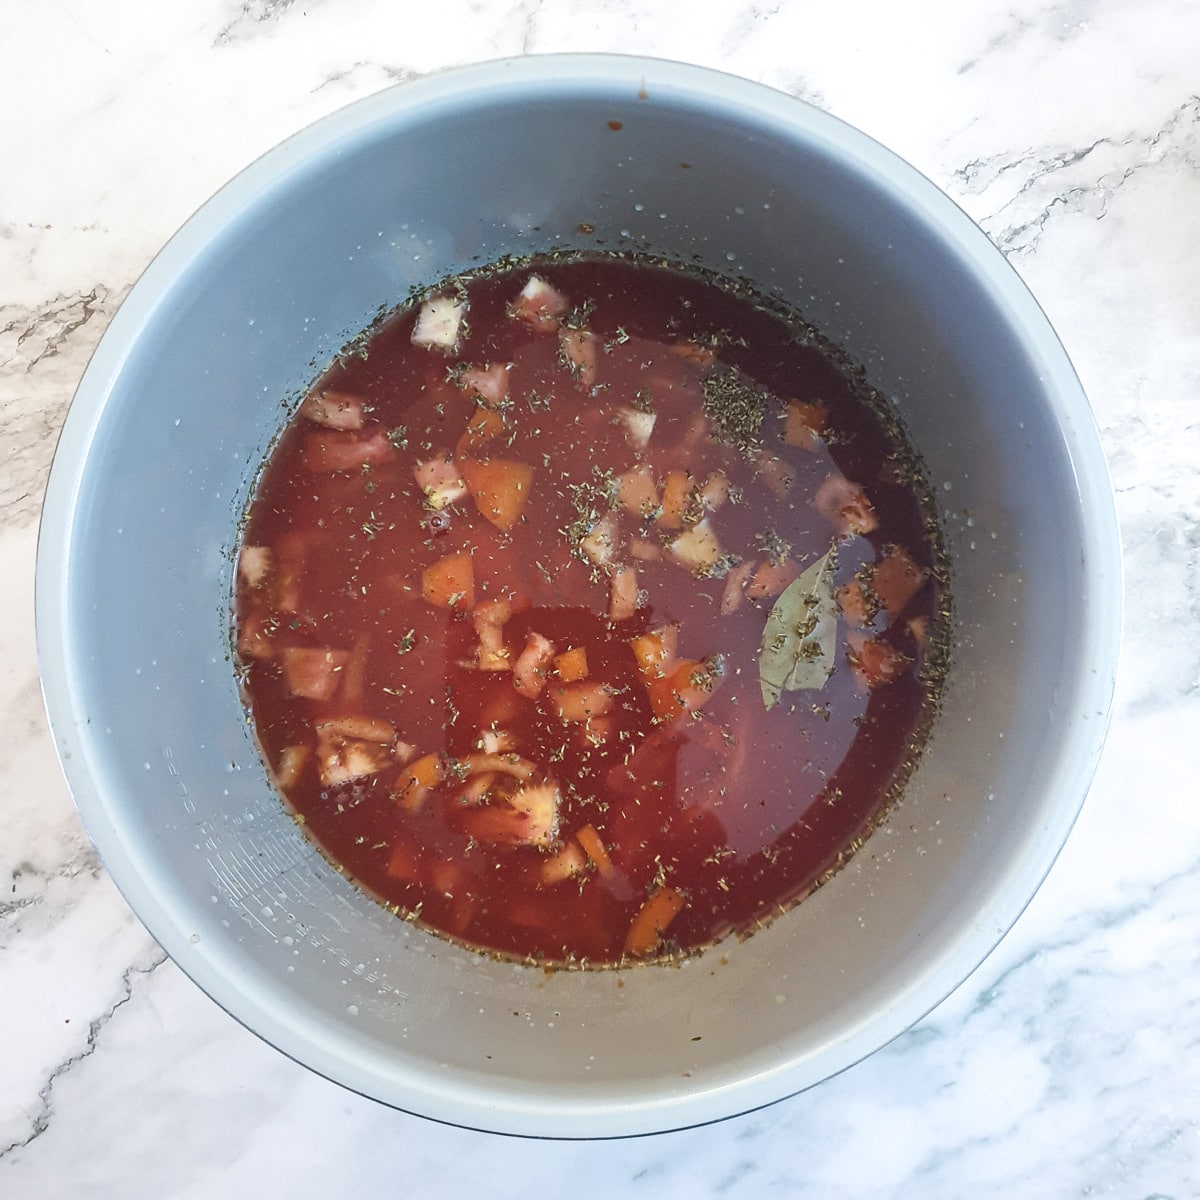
<point>569,863</point>
<point>874,662</point>
<point>291,764</point>
<point>529,671</point>
<point>693,352</point>
<point>697,548</point>
<point>845,506</point>
<point>438,323</point>
<point>623,594</point>
<point>576,703</point>
<point>336,450</point>
<point>855,604</point>
<point>440,480</point>
<point>571,665</point>
<point>365,729</point>
<point>897,579</point>
<point>919,628</point>
<point>450,582</point>
<point>637,492</point>
<point>579,350</point>
<point>500,488</point>
<point>254,565</point>
<point>333,410</point>
<point>253,639</point>
<point>652,921</point>
<point>485,425</point>
<point>417,780</point>
<point>528,817</point>
<point>404,861</point>
<point>600,543</point>
<point>775,473</point>
<point>676,495</point>
<point>489,384</point>
<point>489,619</point>
<point>655,651</point>
<point>638,425</point>
<point>804,423</point>
<point>311,673</point>
<point>539,305</point>
<point>690,686</point>
<point>594,848</point>
<point>343,760</point>
<point>714,492</point>
<point>771,578</point>
<point>735,586</point>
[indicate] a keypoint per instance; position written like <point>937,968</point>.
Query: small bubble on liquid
<point>352,1010</point>
<point>639,207</point>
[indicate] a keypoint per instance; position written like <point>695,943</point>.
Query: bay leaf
<point>800,637</point>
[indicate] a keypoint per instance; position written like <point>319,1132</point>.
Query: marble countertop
<point>1066,1065</point>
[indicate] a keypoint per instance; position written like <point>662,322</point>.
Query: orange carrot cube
<point>500,489</point>
<point>450,582</point>
<point>677,490</point>
<point>651,922</point>
<point>571,665</point>
<point>803,424</point>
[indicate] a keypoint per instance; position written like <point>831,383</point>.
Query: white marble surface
<point>1067,1065</point>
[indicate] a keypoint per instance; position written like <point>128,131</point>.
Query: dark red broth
<point>502,597</point>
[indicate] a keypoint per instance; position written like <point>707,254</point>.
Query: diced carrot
<point>440,479</point>
<point>775,473</point>
<point>311,673</point>
<point>502,707</point>
<point>439,321</point>
<point>569,863</point>
<point>334,410</point>
<point>485,425</point>
<point>677,490</point>
<point>571,665</point>
<point>655,651</point>
<point>539,304</point>
<point>874,662</point>
<point>636,490</point>
<point>450,582</point>
<point>735,584</point>
<point>579,351</point>
<point>855,603</point>
<point>897,579</point>
<point>594,848</point>
<point>500,488</point>
<point>417,780</point>
<point>652,921</point>
<point>489,384</point>
<point>600,542</point>
<point>771,578</point>
<point>291,764</point>
<point>338,450</point>
<point>697,548</point>
<point>845,506</point>
<point>529,671</point>
<point>254,565</point>
<point>803,424</point>
<point>623,594</point>
<point>576,703</point>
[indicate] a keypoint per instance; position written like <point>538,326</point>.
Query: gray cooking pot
<point>260,289</point>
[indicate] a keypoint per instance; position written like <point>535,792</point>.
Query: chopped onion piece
<point>438,323</point>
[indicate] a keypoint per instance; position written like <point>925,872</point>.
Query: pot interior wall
<point>273,278</point>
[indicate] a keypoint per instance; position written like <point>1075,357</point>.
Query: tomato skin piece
<point>845,506</point>
<point>803,424</point>
<point>873,661</point>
